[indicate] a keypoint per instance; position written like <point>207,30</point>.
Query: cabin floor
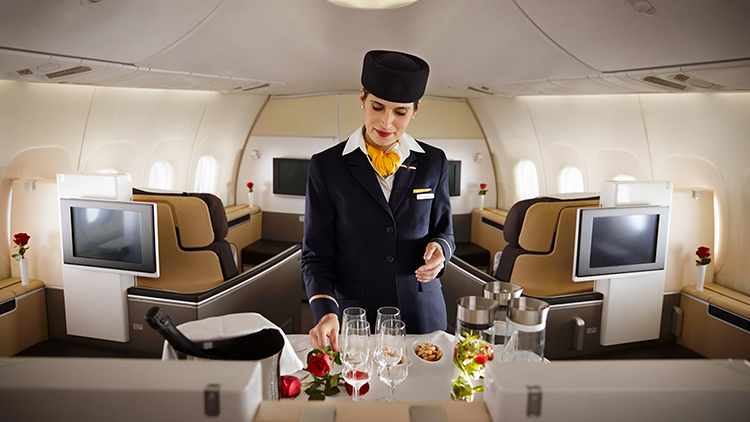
<point>57,348</point>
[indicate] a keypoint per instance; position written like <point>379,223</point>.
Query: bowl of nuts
<point>426,351</point>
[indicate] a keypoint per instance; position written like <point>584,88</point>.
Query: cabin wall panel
<point>223,131</point>
<point>36,212</point>
<point>693,140</point>
<point>587,124</point>
<point>511,137</point>
<point>702,140</point>
<point>301,117</point>
<point>141,118</point>
<point>686,233</point>
<point>42,128</point>
<point>301,127</point>
<point>260,171</point>
<point>473,173</point>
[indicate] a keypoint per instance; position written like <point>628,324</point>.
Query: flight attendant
<point>378,225</point>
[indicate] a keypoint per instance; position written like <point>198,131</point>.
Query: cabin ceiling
<point>305,47</point>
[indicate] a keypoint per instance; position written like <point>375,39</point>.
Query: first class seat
<point>540,234</point>
<point>539,256</point>
<point>193,252</point>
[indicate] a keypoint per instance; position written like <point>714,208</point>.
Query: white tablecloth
<point>233,326</point>
<point>427,381</point>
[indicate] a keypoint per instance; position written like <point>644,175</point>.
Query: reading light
<point>255,154</point>
<point>478,157</point>
<point>372,4</point>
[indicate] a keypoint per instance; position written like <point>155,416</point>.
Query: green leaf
<point>332,391</point>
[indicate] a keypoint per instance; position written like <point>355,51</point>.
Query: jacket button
<point>389,230</point>
<point>390,259</point>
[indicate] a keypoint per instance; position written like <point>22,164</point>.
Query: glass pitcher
<point>475,337</point>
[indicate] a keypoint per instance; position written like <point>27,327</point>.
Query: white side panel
<point>631,310</point>
<point>96,302</point>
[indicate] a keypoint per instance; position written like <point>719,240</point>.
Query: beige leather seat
<point>539,256</point>
<point>193,252</point>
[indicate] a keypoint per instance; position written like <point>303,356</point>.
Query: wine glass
<point>393,376</point>
<point>356,355</point>
<point>385,313</point>
<point>350,314</point>
<point>391,350</point>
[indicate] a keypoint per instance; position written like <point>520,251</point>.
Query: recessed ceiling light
<point>372,4</point>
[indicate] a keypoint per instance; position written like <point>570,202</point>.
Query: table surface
<point>427,381</point>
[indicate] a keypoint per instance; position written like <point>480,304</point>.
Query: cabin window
<point>571,180</point>
<point>527,180</point>
<point>206,175</point>
<point>161,176</point>
<point>624,178</point>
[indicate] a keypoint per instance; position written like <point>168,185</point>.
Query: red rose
<point>481,358</point>
<point>21,239</point>
<point>290,386</point>
<point>490,352</point>
<point>319,364</point>
<point>703,252</point>
<point>483,186</point>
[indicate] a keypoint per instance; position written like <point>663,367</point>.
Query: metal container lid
<point>502,292</point>
<point>528,311</point>
<point>476,310</point>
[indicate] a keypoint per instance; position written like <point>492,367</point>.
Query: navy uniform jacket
<point>363,251</point>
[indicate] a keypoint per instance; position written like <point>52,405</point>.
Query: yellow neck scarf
<point>386,163</point>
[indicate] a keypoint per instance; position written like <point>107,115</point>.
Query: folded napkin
<point>233,326</point>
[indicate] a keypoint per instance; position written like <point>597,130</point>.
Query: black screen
<point>290,176</point>
<point>624,240</point>
<point>113,235</point>
<point>454,178</point>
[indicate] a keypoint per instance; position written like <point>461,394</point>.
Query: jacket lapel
<point>404,178</point>
<point>363,172</point>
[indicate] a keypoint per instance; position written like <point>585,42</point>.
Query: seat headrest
<point>219,222</point>
<point>216,211</point>
<point>535,231</point>
<point>517,214</point>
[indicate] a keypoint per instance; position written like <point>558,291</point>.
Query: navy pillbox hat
<point>394,76</point>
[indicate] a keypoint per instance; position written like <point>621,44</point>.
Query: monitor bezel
<point>149,267</point>
<point>582,270</point>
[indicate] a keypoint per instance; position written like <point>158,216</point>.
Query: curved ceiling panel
<point>638,34</point>
<point>119,31</point>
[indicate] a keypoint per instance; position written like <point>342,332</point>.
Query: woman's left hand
<point>434,261</point>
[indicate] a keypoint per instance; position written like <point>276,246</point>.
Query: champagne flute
<point>356,355</point>
<point>385,313</point>
<point>391,351</point>
<point>394,376</point>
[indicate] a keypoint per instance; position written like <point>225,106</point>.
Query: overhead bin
<point>118,31</point>
<point>616,36</point>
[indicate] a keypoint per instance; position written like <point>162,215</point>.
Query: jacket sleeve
<point>319,244</point>
<point>441,219</point>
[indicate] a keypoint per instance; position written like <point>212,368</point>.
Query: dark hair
<point>416,103</point>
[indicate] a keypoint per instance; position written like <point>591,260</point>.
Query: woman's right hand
<point>326,329</point>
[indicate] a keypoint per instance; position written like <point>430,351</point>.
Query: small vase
<point>24,264</point>
<point>250,199</point>
<point>481,202</point>
<point>701,277</point>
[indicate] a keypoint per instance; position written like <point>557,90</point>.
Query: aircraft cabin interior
<point>156,154</point>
